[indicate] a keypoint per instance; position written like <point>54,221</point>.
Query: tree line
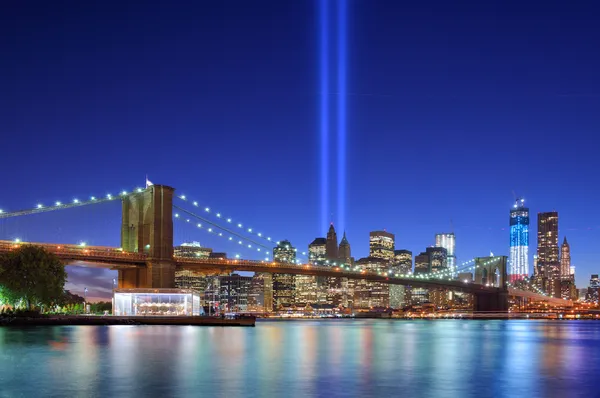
<point>33,278</point>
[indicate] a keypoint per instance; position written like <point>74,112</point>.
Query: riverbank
<point>79,320</point>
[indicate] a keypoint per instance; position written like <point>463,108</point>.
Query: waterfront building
<point>519,241</point>
<point>369,294</point>
<point>260,294</point>
<point>593,291</point>
<point>381,245</point>
<point>233,292</point>
<point>157,302</point>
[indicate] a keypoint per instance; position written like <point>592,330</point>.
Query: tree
<point>34,275</point>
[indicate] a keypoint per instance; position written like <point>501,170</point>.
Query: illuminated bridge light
<point>240,225</point>
<point>230,238</point>
<point>219,215</point>
<point>199,225</point>
<point>249,229</point>
<point>220,233</point>
<point>17,240</point>
<point>139,189</point>
<point>176,215</point>
<point>210,230</point>
<point>124,193</point>
<point>182,197</point>
<point>237,256</point>
<point>39,206</point>
<point>268,238</point>
<point>109,196</point>
<point>93,198</point>
<point>195,203</point>
<point>1,211</point>
<point>259,234</point>
<point>207,209</point>
<point>58,203</point>
<point>188,220</point>
<point>240,242</point>
<point>229,220</point>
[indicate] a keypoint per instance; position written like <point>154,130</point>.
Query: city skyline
<point>236,116</point>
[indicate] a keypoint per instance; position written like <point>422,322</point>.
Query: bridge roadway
<point>226,266</point>
<point>116,258</point>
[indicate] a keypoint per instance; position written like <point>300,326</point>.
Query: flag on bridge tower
<point>148,183</point>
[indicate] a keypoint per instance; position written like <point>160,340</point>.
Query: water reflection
<point>306,358</point>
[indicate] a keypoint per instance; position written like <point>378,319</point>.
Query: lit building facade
<point>438,259</point>
<point>369,294</point>
<point>344,252</point>
<point>422,265</point>
<point>191,249</point>
<point>284,285</point>
<point>403,260</point>
<point>519,241</point>
<point>233,292</point>
<point>593,291</point>
<point>317,251</point>
<point>448,242</point>
<point>381,245</point>
<point>157,302</point>
<point>331,245</point>
<point>548,253</point>
<point>565,260</point>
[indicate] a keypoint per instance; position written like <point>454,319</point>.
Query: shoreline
<point>82,320</point>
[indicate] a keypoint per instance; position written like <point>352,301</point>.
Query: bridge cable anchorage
<point>58,205</point>
<point>229,220</point>
<point>177,216</point>
<point>229,231</point>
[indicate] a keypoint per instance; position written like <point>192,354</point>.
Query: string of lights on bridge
<point>75,202</point>
<point>533,287</point>
<point>239,240</point>
<point>229,220</point>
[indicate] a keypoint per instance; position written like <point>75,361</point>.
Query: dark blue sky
<point>451,106</point>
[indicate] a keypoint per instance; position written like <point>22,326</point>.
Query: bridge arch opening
<point>496,277</point>
<point>484,277</point>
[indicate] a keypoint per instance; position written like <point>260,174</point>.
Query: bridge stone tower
<point>491,271</point>
<point>147,227</point>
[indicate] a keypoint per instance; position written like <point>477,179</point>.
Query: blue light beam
<point>324,111</point>
<point>342,44</point>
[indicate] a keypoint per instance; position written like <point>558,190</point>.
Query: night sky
<point>450,108</point>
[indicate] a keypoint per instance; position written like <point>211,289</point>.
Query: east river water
<point>306,358</point>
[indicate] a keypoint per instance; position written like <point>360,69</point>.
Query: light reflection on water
<point>305,358</point>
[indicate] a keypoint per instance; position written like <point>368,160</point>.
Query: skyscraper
<point>438,259</point>
<point>284,252</point>
<point>381,245</point>
<point>448,242</point>
<point>317,251</point>
<point>331,248</point>
<point>519,241</point>
<point>403,260</point>
<point>284,285</point>
<point>547,251</point>
<point>565,260</point>
<point>422,264</point>
<point>344,253</point>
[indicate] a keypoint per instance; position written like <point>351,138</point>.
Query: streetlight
<point>85,300</point>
